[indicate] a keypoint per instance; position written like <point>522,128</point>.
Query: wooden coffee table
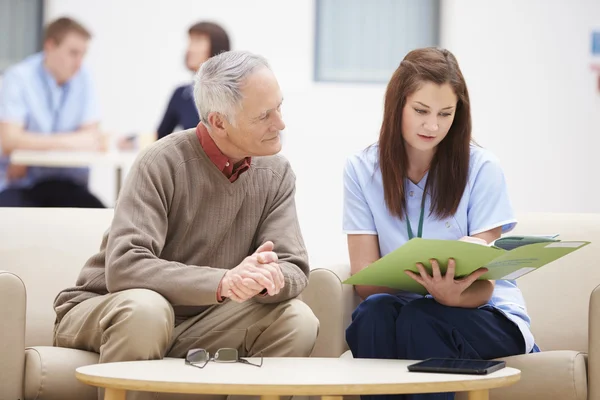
<point>330,378</point>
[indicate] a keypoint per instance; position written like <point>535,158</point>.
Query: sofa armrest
<point>13,303</point>
<point>594,345</point>
<point>332,303</point>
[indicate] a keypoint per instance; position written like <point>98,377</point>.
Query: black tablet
<point>457,366</point>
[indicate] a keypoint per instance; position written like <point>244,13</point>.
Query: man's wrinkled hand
<point>257,272</point>
<point>264,253</point>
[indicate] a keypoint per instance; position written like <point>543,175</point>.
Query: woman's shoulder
<point>480,157</point>
<point>485,168</point>
<point>364,160</point>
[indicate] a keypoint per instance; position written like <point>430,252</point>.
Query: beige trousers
<point>139,324</point>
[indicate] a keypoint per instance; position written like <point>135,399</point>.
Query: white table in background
<point>76,159</point>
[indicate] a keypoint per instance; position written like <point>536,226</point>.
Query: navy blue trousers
<point>386,326</point>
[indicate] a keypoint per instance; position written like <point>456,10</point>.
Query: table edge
<point>298,390</point>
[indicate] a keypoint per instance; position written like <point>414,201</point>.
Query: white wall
<point>137,58</point>
<point>526,64</point>
<point>534,96</point>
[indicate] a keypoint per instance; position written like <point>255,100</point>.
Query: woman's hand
<point>445,289</point>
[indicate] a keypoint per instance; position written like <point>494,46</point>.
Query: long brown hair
<point>449,168</point>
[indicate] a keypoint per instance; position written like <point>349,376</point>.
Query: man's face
<point>258,123</point>
<point>65,58</point>
<point>197,52</point>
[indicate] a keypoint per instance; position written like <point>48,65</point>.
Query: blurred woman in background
<point>206,39</point>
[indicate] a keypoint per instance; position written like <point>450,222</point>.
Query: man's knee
<point>141,315</point>
<point>143,307</point>
<point>301,325</point>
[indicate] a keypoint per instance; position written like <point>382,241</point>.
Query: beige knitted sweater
<point>179,224</point>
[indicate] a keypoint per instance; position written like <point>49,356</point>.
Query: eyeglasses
<point>199,357</point>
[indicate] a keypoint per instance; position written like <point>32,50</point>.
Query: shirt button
<point>411,193</point>
<point>227,164</point>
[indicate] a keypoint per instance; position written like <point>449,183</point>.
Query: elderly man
<point>205,249</point>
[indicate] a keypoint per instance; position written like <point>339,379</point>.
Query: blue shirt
<point>30,95</point>
<point>181,112</point>
<point>485,205</point>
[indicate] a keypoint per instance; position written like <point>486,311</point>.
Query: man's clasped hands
<point>256,273</point>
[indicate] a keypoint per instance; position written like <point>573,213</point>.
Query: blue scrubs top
<point>485,205</point>
<point>30,95</point>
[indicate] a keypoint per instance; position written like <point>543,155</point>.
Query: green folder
<point>501,264</point>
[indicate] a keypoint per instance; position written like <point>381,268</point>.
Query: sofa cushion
<point>562,325</point>
<point>50,374</point>
<point>546,375</point>
<point>48,260</point>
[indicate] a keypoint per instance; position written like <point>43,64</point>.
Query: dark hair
<point>58,29</point>
<point>219,40</point>
<point>449,168</point>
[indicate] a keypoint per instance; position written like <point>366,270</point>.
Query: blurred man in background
<point>47,102</point>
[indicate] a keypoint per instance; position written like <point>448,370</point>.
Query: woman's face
<point>198,51</point>
<point>428,115</point>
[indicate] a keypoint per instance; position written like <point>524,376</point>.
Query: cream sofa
<point>42,251</point>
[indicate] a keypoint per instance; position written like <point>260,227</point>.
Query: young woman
<point>425,178</point>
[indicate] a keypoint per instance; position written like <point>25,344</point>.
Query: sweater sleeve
<point>281,226</point>
<point>138,233</point>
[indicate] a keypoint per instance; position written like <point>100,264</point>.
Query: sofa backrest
<point>47,248</point>
<point>557,295</point>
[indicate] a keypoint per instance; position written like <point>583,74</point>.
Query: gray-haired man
<point>205,249</point>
